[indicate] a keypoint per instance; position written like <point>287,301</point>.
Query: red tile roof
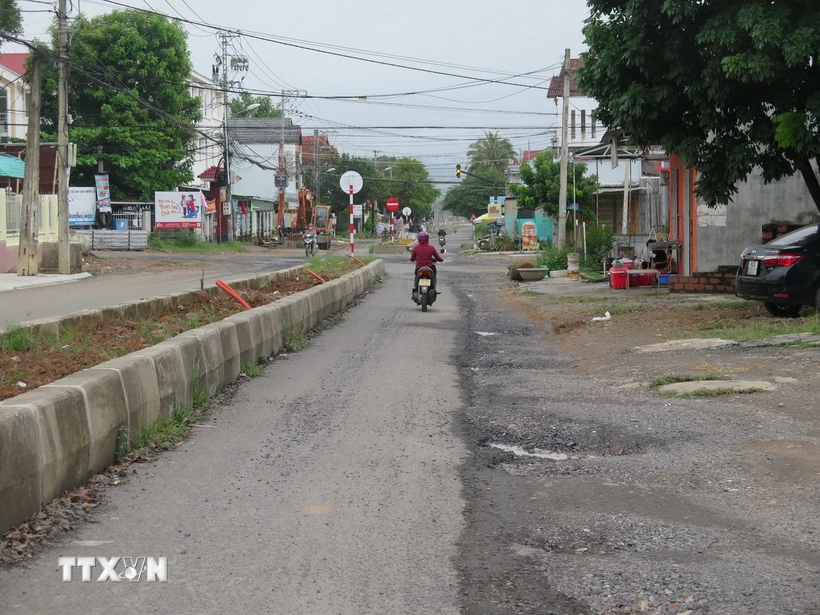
<point>556,89</point>
<point>209,174</point>
<point>529,154</point>
<point>307,147</point>
<point>14,61</point>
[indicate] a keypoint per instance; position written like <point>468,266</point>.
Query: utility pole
<point>27,256</point>
<point>64,246</point>
<point>316,168</point>
<point>562,198</point>
<point>283,165</point>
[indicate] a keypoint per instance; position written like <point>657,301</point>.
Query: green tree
<point>129,95</point>
<point>244,100</point>
<point>10,20</point>
<point>410,184</point>
<point>729,85</point>
<point>333,195</point>
<point>470,197</point>
<point>490,156</point>
<point>541,184</point>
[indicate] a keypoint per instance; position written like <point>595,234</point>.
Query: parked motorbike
<point>311,245</point>
<point>424,289</point>
<point>485,241</point>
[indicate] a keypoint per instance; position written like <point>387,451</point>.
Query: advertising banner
<point>103,193</point>
<point>210,207</point>
<point>82,206</point>
<point>179,210</point>
<point>529,236</point>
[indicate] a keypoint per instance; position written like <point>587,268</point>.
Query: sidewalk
<point>11,281</point>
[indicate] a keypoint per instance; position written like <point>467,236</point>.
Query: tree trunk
<point>810,177</point>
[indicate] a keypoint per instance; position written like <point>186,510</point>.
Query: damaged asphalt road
<point>656,509</point>
<point>359,476</point>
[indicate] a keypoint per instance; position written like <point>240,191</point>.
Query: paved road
<point>328,485</point>
<point>43,302</point>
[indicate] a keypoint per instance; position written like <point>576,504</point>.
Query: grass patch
<point>528,293</point>
<point>747,330</point>
<point>253,370</point>
<point>467,246</point>
<point>719,392</point>
<point>722,305</point>
<point>378,279</point>
<point>189,242</point>
<point>335,265</point>
<point>660,381</point>
<point>295,341</point>
<point>17,339</point>
<point>167,430</point>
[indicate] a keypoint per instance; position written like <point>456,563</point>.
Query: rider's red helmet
<point>424,237</point>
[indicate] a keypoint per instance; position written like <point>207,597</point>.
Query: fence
<point>14,205</point>
<point>10,217</point>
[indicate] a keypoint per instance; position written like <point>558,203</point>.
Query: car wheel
<point>782,311</point>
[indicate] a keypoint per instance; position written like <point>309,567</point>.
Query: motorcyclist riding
<point>425,255</point>
<point>310,231</point>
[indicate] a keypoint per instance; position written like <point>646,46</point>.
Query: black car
<point>784,274</point>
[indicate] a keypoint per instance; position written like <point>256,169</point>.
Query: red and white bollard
<point>352,226</point>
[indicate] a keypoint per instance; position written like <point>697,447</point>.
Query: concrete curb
<point>56,437</point>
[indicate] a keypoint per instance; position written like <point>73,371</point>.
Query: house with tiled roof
<point>14,93</point>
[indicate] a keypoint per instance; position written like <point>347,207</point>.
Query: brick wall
<point>721,281</point>
<point>773,231</point>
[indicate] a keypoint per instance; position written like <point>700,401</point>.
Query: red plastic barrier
<point>357,260</point>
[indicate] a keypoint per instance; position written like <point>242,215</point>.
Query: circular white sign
<point>351,178</point>
<point>406,211</point>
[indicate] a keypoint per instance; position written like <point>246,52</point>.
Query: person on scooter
<point>425,255</point>
<point>310,231</point>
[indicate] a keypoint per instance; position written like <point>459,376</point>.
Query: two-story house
<point>209,151</point>
<point>14,94</point>
<point>588,140</point>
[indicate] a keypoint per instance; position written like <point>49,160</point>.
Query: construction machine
<point>324,223</point>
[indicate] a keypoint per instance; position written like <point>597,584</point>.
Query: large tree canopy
<point>129,95</point>
<point>410,184</point>
<point>541,184</point>
<point>239,106</point>
<point>729,85</point>
<point>489,157</point>
<point>10,19</point>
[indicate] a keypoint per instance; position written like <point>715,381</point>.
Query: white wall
<point>207,152</point>
<point>581,108</point>
<point>17,96</point>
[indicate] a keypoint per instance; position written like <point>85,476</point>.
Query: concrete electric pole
<point>27,263</point>
<point>317,182</point>
<point>562,198</point>
<point>64,246</point>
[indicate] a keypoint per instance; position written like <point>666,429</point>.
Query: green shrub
<point>600,242</point>
<point>555,258</point>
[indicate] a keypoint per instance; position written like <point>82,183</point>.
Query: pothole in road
<point>538,453</point>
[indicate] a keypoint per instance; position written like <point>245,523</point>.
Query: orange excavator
<point>325,225</point>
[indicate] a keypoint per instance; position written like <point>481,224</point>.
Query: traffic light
<point>458,170</point>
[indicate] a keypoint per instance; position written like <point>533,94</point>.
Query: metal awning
<point>11,166</point>
<point>604,150</point>
<point>256,203</point>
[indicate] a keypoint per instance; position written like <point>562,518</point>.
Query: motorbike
<point>442,241</point>
<point>311,245</point>
<point>424,292</point>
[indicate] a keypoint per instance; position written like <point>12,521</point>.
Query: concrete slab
<point>21,465</point>
<point>735,386</point>
<point>11,281</point>
<point>693,344</point>
<point>105,404</point>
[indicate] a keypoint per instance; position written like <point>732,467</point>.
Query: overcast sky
<point>483,38</point>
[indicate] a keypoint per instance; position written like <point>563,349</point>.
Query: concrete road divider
<point>54,438</point>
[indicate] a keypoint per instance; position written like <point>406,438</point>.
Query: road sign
<point>351,178</point>
<point>392,205</point>
<point>357,211</point>
<point>406,212</point>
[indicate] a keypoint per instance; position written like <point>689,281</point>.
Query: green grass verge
<point>718,392</point>
<point>754,329</point>
<point>167,430</point>
<point>253,370</point>
<point>191,244</point>
<point>335,265</point>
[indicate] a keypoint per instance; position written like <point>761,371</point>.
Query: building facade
<point>14,96</point>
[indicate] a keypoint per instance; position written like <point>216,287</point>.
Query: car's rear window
<point>800,237</point>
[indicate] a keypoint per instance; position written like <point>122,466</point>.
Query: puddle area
<point>517,450</point>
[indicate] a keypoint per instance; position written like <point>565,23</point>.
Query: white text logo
<point>116,568</point>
